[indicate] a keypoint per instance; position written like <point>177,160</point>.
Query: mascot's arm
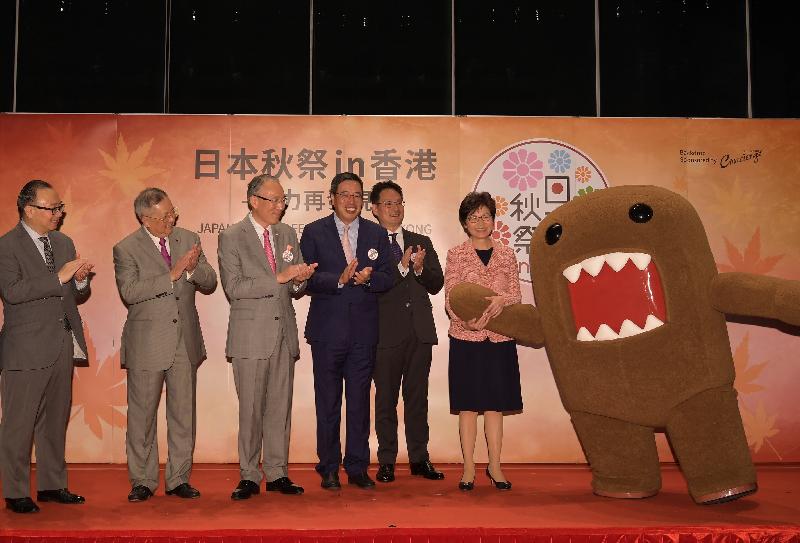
<point>753,295</point>
<point>520,321</point>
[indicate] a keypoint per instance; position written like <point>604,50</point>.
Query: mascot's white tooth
<point>572,273</point>
<point>641,260</point>
<point>628,329</point>
<point>652,322</point>
<point>594,265</point>
<point>584,335</point>
<point>617,261</point>
<point>605,333</point>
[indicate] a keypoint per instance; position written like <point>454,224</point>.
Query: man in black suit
<point>406,337</point>
<point>40,278</point>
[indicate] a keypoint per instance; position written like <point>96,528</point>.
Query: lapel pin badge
<point>372,254</point>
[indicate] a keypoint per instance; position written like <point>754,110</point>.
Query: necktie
<point>48,254</point>
<point>164,252</point>
<point>51,267</point>
<point>348,249</point>
<point>396,250</point>
<point>268,251</point>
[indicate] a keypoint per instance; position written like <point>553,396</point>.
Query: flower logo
<point>522,169</point>
<point>583,174</point>
<point>501,204</point>
<point>501,233</point>
<point>559,160</point>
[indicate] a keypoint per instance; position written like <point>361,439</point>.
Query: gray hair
<point>147,199</point>
<point>256,183</point>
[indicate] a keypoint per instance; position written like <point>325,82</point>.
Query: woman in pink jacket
<point>484,372</point>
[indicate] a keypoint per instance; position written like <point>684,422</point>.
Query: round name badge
<point>288,255</point>
<point>372,254</point>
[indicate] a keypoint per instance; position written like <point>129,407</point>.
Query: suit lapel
<point>59,252</point>
<point>149,248</point>
<point>254,243</point>
<point>334,239</point>
<point>278,247</point>
<point>363,242</point>
<point>408,239</point>
<point>29,247</point>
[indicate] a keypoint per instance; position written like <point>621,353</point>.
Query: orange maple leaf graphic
<point>128,169</point>
<point>61,136</point>
<point>78,217</point>
<point>746,374</point>
<point>100,392</point>
<point>759,426</point>
<point>750,259</point>
<point>732,204</point>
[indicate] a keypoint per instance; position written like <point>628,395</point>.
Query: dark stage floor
<point>544,499</point>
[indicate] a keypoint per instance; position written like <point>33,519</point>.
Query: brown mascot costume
<point>631,311</point>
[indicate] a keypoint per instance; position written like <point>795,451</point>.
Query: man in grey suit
<point>40,278</point>
<point>406,337</point>
<point>158,268</point>
<point>261,268</point>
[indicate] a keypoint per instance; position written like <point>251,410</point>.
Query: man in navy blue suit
<point>354,264</point>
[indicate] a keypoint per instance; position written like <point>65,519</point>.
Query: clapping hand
<point>348,272</point>
<point>71,268</point>
<point>187,262</point>
<point>419,260</point>
<point>362,277</point>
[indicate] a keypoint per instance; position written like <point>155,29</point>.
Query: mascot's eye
<point>553,234</point>
<point>640,213</point>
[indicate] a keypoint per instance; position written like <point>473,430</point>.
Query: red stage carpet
<point>549,503</point>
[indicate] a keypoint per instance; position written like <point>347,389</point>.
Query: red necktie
<point>164,252</point>
<point>268,250</point>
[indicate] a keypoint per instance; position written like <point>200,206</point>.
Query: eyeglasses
<point>54,210</point>
<point>275,201</point>
<point>169,216</point>
<point>473,219</point>
<point>389,204</point>
<point>350,195</point>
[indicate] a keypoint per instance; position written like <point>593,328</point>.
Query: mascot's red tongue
<point>615,295</point>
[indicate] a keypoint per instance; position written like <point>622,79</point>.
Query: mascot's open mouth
<point>615,295</point>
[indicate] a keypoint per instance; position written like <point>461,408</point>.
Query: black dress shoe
<point>185,491</point>
<point>500,485</point>
<point>62,495</point>
<point>466,485</point>
<point>22,505</point>
<point>385,473</point>
<point>426,469</point>
<point>361,480</point>
<point>244,490</point>
<point>140,493</point>
<point>284,485</point>
<point>330,481</point>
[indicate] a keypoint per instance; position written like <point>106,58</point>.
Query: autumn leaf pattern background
<point>100,162</point>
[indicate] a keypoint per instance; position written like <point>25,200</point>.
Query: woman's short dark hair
<point>471,203</point>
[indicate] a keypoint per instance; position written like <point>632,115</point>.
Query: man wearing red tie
<point>261,269</point>
<point>158,269</point>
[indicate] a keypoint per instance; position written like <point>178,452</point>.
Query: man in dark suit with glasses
<point>40,278</point>
<point>407,334</point>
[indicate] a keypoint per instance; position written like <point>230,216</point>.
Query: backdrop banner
<point>739,174</point>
